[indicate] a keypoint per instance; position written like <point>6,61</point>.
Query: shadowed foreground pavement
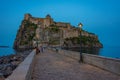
<point>53,66</point>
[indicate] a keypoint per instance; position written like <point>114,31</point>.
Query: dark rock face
<point>9,63</point>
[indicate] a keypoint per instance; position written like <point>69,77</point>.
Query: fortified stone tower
<point>48,21</point>
<point>27,16</point>
<point>48,16</point>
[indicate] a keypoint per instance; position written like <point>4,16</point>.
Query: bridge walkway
<point>54,66</point>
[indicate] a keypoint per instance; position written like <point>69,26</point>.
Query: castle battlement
<point>45,22</point>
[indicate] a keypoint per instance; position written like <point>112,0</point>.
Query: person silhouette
<point>37,50</point>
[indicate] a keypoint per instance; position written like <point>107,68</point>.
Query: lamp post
<point>81,57</point>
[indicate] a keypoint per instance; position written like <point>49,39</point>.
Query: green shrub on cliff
<point>85,40</point>
<point>27,32</point>
<point>30,25</point>
<point>54,29</point>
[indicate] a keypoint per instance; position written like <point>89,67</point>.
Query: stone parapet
<point>109,64</point>
<point>25,69</point>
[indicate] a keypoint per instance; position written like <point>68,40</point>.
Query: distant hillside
<point>45,31</point>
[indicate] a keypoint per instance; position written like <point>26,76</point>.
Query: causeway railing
<point>109,64</point>
<point>25,69</point>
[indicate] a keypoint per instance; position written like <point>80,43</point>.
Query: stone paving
<point>53,66</point>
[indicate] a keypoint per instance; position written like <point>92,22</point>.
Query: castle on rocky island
<point>34,31</point>
<point>67,28</point>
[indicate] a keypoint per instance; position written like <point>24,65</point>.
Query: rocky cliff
<point>35,31</point>
<point>85,41</point>
<point>25,35</point>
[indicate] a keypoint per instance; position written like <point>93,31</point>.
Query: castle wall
<point>33,20</point>
<point>47,21</point>
<point>70,33</point>
<point>61,24</point>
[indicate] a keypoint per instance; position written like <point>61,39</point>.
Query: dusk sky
<point>101,17</point>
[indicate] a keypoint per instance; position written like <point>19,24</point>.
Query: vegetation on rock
<point>25,34</point>
<point>87,41</point>
<point>54,32</point>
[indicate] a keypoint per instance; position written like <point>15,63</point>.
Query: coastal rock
<point>1,76</point>
<point>10,62</point>
<point>8,70</point>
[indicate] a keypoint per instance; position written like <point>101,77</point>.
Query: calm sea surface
<point>6,51</point>
<point>112,52</point>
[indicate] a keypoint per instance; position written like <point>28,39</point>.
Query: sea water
<point>110,52</point>
<point>6,51</point>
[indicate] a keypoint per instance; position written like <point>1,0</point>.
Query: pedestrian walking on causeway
<point>37,50</point>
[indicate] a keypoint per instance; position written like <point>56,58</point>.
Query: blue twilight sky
<point>101,17</point>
